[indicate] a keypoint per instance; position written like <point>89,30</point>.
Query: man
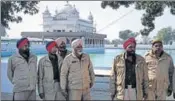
<point>62,51</point>
<point>22,72</point>
<point>77,74</point>
<point>129,79</point>
<point>160,72</point>
<point>49,75</point>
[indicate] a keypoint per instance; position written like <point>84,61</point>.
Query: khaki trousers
<point>25,95</point>
<point>156,91</point>
<point>130,93</point>
<point>79,94</point>
<point>56,95</point>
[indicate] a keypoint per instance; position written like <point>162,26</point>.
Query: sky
<point>101,16</point>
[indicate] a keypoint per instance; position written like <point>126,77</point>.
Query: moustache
<point>130,53</point>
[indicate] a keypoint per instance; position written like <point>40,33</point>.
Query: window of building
<point>63,30</point>
<point>47,31</point>
<point>54,30</point>
<point>58,30</point>
<point>70,31</point>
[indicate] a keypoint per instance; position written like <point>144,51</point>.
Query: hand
<point>112,96</point>
<point>91,85</point>
<point>41,95</point>
<point>64,94</point>
<point>145,97</point>
<point>174,95</point>
<point>169,92</point>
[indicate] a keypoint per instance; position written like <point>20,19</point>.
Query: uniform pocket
<point>48,72</point>
<point>75,83</point>
<point>49,87</point>
<point>75,67</point>
<point>120,74</point>
<point>21,82</point>
<point>120,70</point>
<point>18,64</point>
<point>152,70</point>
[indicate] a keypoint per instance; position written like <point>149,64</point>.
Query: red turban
<point>22,42</point>
<point>50,45</point>
<point>128,42</point>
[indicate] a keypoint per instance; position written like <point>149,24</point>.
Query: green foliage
<point>10,9</point>
<point>166,34</point>
<point>106,41</point>
<point>152,10</point>
<point>127,34</point>
<point>116,42</point>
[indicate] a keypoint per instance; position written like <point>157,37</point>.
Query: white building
<point>67,23</point>
<point>67,20</point>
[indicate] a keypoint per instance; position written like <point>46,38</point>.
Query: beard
<point>24,53</point>
<point>79,53</point>
<point>62,49</point>
<point>130,53</point>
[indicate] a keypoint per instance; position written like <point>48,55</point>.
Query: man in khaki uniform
<point>62,52</point>
<point>160,72</point>
<point>22,72</point>
<point>49,75</point>
<point>77,74</point>
<point>129,79</point>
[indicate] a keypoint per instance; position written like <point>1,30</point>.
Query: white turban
<point>76,42</point>
<point>60,40</point>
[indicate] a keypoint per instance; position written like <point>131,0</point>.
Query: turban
<point>128,42</point>
<point>60,40</point>
<point>156,41</point>
<point>50,45</point>
<point>22,42</point>
<point>76,42</point>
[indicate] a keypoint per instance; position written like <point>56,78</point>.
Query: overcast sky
<point>101,16</point>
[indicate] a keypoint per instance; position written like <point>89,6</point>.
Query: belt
<point>129,86</point>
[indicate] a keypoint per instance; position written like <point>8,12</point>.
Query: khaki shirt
<point>77,74</point>
<point>22,75</point>
<point>45,76</point>
<point>161,70</point>
<point>117,80</point>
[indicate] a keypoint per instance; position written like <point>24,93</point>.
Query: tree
<point>124,34</point>
<point>10,9</point>
<point>127,34</point>
<point>106,41</point>
<point>116,42</point>
<point>2,30</point>
<point>152,9</point>
<point>173,33</point>
<point>166,34</point>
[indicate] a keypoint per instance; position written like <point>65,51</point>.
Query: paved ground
<point>100,91</point>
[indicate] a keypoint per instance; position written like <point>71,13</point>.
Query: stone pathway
<point>100,91</point>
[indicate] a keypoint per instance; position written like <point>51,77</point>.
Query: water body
<point>103,61</point>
